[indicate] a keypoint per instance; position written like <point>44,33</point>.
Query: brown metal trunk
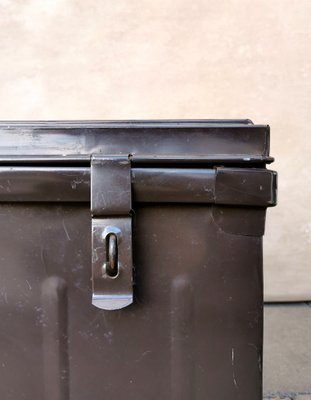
<point>185,202</point>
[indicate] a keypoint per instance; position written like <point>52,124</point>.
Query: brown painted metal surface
<point>194,330</point>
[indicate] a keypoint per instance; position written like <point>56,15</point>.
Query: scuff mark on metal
<point>143,355</point>
<point>233,373</point>
<point>65,229</point>
<point>29,285</point>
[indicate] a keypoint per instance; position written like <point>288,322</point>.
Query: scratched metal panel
<point>231,186</point>
<point>194,331</point>
<point>146,140</point>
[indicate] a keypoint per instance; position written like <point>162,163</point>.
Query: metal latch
<point>111,204</point>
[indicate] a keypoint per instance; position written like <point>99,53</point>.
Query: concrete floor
<point>287,351</point>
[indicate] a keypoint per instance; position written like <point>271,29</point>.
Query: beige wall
<point>115,59</point>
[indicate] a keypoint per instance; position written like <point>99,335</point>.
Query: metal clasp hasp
<point>112,266</point>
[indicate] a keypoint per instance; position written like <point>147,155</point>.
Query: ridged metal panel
<point>193,332</point>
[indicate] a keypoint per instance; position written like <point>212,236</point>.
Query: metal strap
<point>111,203</point>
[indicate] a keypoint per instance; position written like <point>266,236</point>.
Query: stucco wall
<point>115,59</point>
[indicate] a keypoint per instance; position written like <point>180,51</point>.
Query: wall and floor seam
<point>288,396</point>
